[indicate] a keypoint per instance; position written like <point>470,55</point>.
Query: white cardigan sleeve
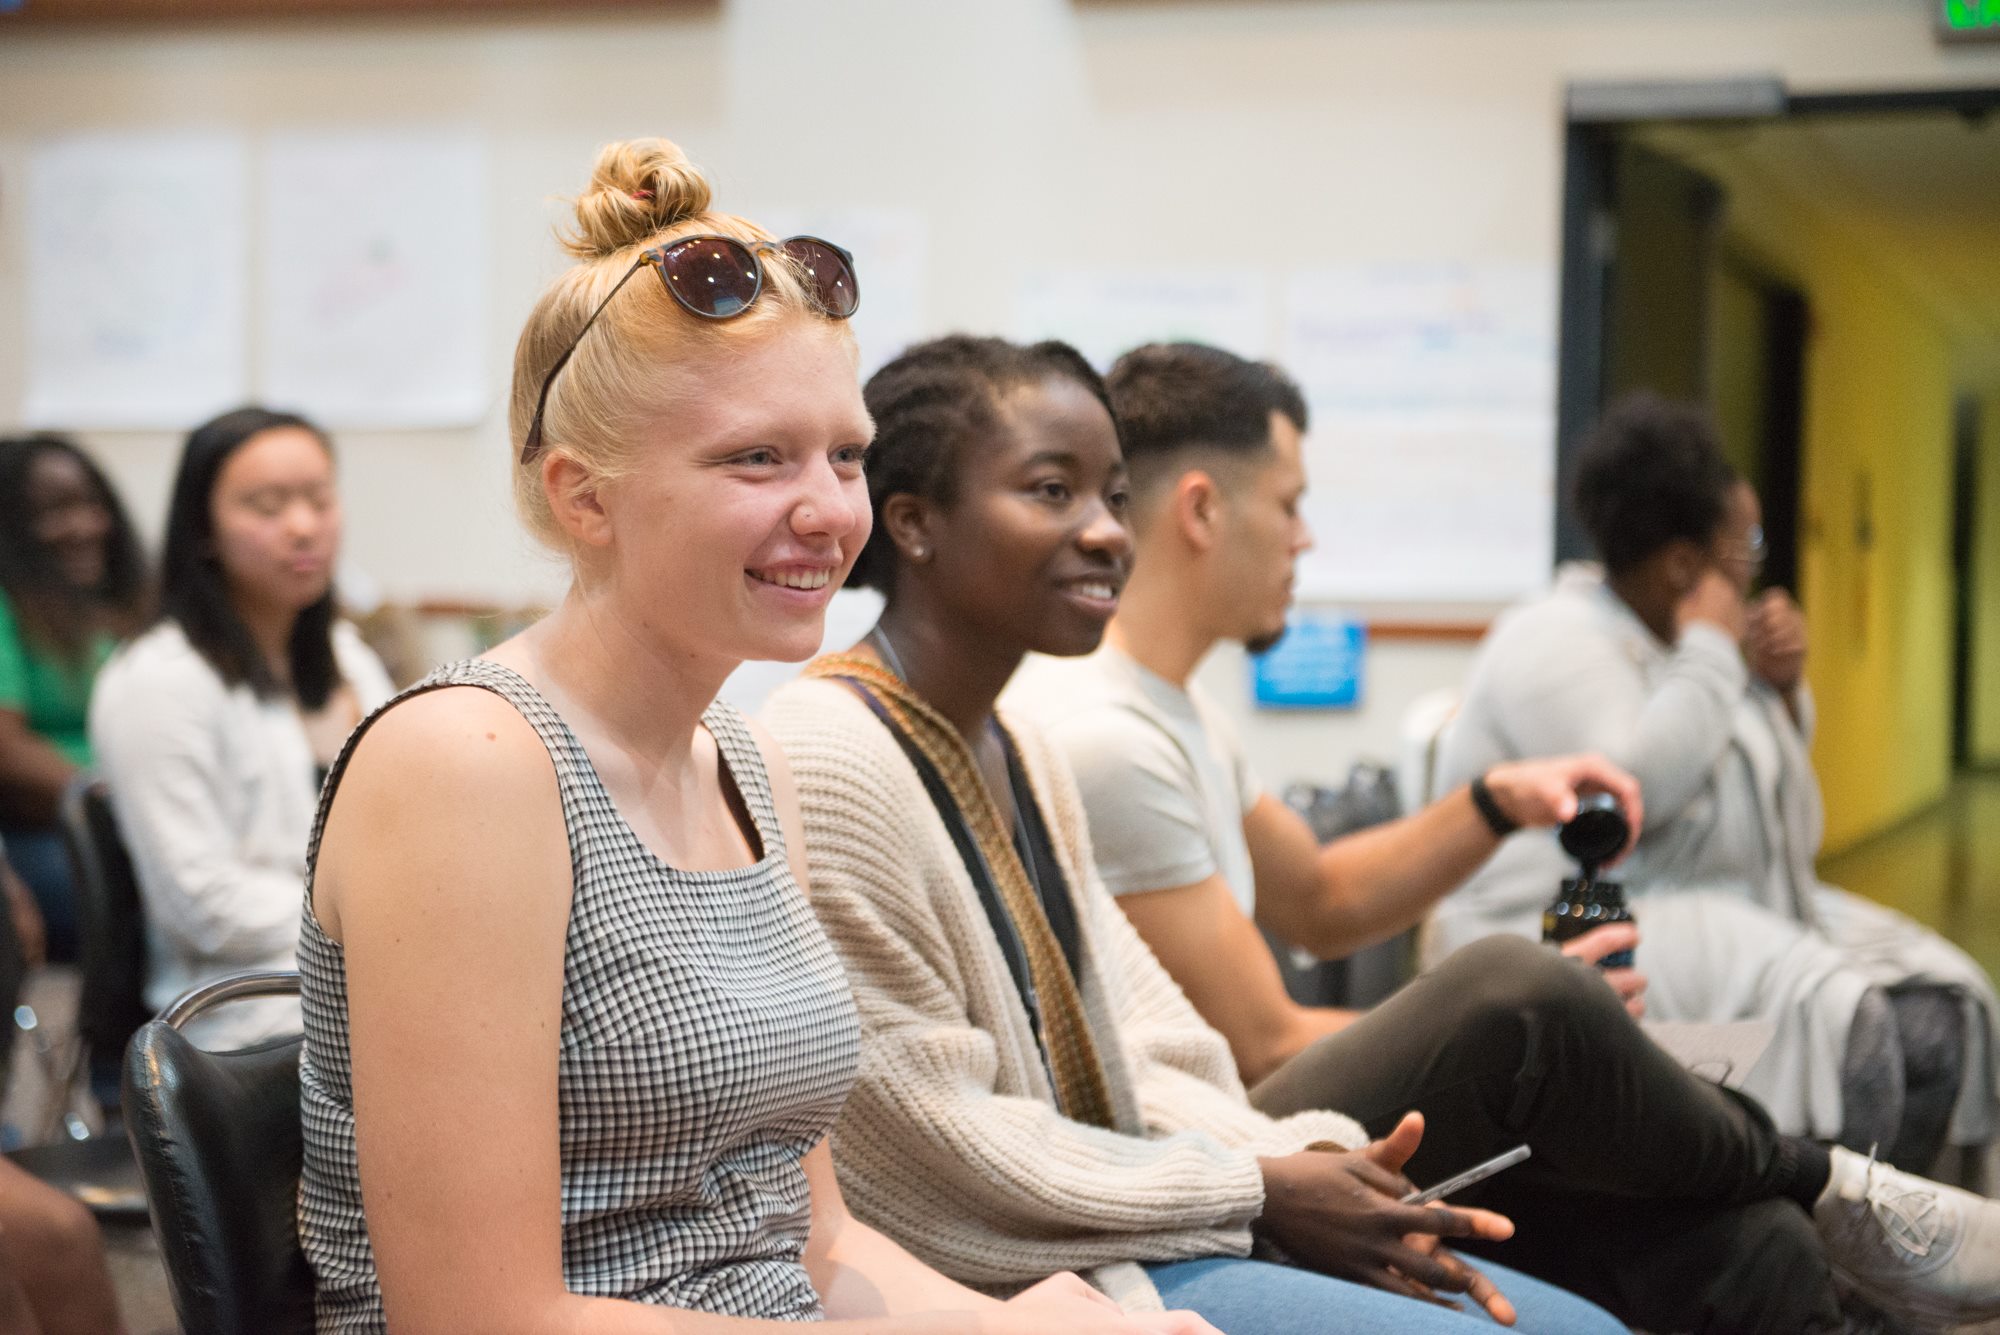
<point>938,1145</point>
<point>157,738</point>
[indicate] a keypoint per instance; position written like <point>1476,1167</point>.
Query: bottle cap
<point>1598,830</point>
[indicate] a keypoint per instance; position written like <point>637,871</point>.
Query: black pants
<point>1665,1199</point>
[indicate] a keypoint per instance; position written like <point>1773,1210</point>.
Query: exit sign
<point>1969,20</point>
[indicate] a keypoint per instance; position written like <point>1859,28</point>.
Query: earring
<point>916,553</point>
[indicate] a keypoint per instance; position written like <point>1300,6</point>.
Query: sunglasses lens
<point>711,276</point>
<point>827,273</point>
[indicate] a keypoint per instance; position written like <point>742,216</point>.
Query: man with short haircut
<point>1506,1041</point>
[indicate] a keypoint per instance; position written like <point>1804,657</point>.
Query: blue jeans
<point>1257,1298</point>
<point>40,856</point>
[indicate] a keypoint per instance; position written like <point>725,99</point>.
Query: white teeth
<point>797,579</point>
<point>1095,590</point>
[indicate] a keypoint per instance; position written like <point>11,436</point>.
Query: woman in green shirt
<point>72,582</point>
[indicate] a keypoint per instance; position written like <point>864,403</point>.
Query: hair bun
<point>638,188</point>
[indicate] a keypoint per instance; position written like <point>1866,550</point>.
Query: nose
<point>303,520</point>
<point>1105,533</point>
<point>824,504</point>
<point>1302,537</point>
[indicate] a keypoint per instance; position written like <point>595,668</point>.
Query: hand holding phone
<point>1477,1173</point>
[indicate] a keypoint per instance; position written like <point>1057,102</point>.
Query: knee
<point>48,1232</point>
<point>1513,975</point>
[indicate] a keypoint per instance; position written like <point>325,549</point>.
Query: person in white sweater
<point>1034,1090</point>
<point>212,729</point>
<point>1663,659</point>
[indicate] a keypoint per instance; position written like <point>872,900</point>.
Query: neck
<point>271,631</point>
<point>1155,625</point>
<point>955,668</point>
<point>646,697</point>
<point>1637,593</point>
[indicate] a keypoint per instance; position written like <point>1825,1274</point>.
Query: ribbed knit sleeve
<point>950,1142</point>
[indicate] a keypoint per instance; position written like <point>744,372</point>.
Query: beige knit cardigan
<point>951,1142</point>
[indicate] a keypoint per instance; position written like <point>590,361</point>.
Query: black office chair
<point>76,1155</point>
<point>220,1148</point>
<point>111,925</point>
<point>1371,974</point>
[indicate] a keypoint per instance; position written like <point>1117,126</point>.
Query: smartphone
<point>1476,1173</point>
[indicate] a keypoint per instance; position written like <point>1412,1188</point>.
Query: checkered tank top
<point>708,1041</point>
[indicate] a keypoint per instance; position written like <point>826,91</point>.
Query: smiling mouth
<point>1102,589</point>
<point>807,580</point>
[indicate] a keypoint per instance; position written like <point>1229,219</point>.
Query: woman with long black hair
<point>213,728</point>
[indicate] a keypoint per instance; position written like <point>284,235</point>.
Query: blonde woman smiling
<point>574,1042</point>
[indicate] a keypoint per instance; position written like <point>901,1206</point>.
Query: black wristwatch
<point>1496,819</point>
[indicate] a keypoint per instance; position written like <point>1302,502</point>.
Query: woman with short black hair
<point>72,583</point>
<point>1665,661</point>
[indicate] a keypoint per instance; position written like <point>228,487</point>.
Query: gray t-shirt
<point>1164,780</point>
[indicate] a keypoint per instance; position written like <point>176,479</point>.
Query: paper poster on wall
<point>889,248</point>
<point>1107,313</point>
<point>375,276</point>
<point>137,279</point>
<point>1432,450</point>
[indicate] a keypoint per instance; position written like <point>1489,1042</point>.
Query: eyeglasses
<point>719,278</point>
<point>1753,551</point>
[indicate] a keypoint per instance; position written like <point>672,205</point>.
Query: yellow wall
<point>1875,573</point>
<point>1736,389</point>
<point>1878,455</point>
<point>1986,593</point>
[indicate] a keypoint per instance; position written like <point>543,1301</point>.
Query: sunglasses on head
<point>719,278</point>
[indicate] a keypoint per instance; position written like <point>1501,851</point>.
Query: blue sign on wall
<point>1316,666</point>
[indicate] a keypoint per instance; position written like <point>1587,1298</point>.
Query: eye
<point>1053,489</point>
<point>761,457</point>
<point>1118,499</point>
<point>851,457</point>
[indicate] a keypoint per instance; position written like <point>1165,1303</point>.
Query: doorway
<point>1809,267</point>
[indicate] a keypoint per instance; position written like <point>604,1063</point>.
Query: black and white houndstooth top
<point>708,1041</point>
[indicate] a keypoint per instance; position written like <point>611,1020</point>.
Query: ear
<point>1682,561</point>
<point>574,499</point>
<point>1196,508</point>
<point>910,522</point>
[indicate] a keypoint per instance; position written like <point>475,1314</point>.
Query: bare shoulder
<point>453,786</point>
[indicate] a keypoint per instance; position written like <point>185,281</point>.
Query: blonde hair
<point>643,354</point>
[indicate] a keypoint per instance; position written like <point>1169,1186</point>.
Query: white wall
<point>1028,133</point>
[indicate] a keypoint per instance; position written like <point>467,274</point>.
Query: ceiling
<point>1916,191</point>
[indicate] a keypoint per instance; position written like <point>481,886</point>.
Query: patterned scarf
<point>1082,1092</point>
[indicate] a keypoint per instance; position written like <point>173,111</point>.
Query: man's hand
<point>1716,601</point>
<point>1343,1214</point>
<point>1595,944</point>
<point>1774,643</point>
<point>1534,793</point>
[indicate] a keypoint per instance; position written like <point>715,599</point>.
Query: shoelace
<point>1910,1216</point>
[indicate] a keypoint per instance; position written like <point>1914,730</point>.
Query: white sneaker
<point>1918,1249</point>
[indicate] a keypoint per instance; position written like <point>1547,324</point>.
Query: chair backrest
<point>110,923</point>
<point>1424,726</point>
<point>220,1148</point>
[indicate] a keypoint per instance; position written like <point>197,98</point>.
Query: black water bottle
<point>1593,837</point>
